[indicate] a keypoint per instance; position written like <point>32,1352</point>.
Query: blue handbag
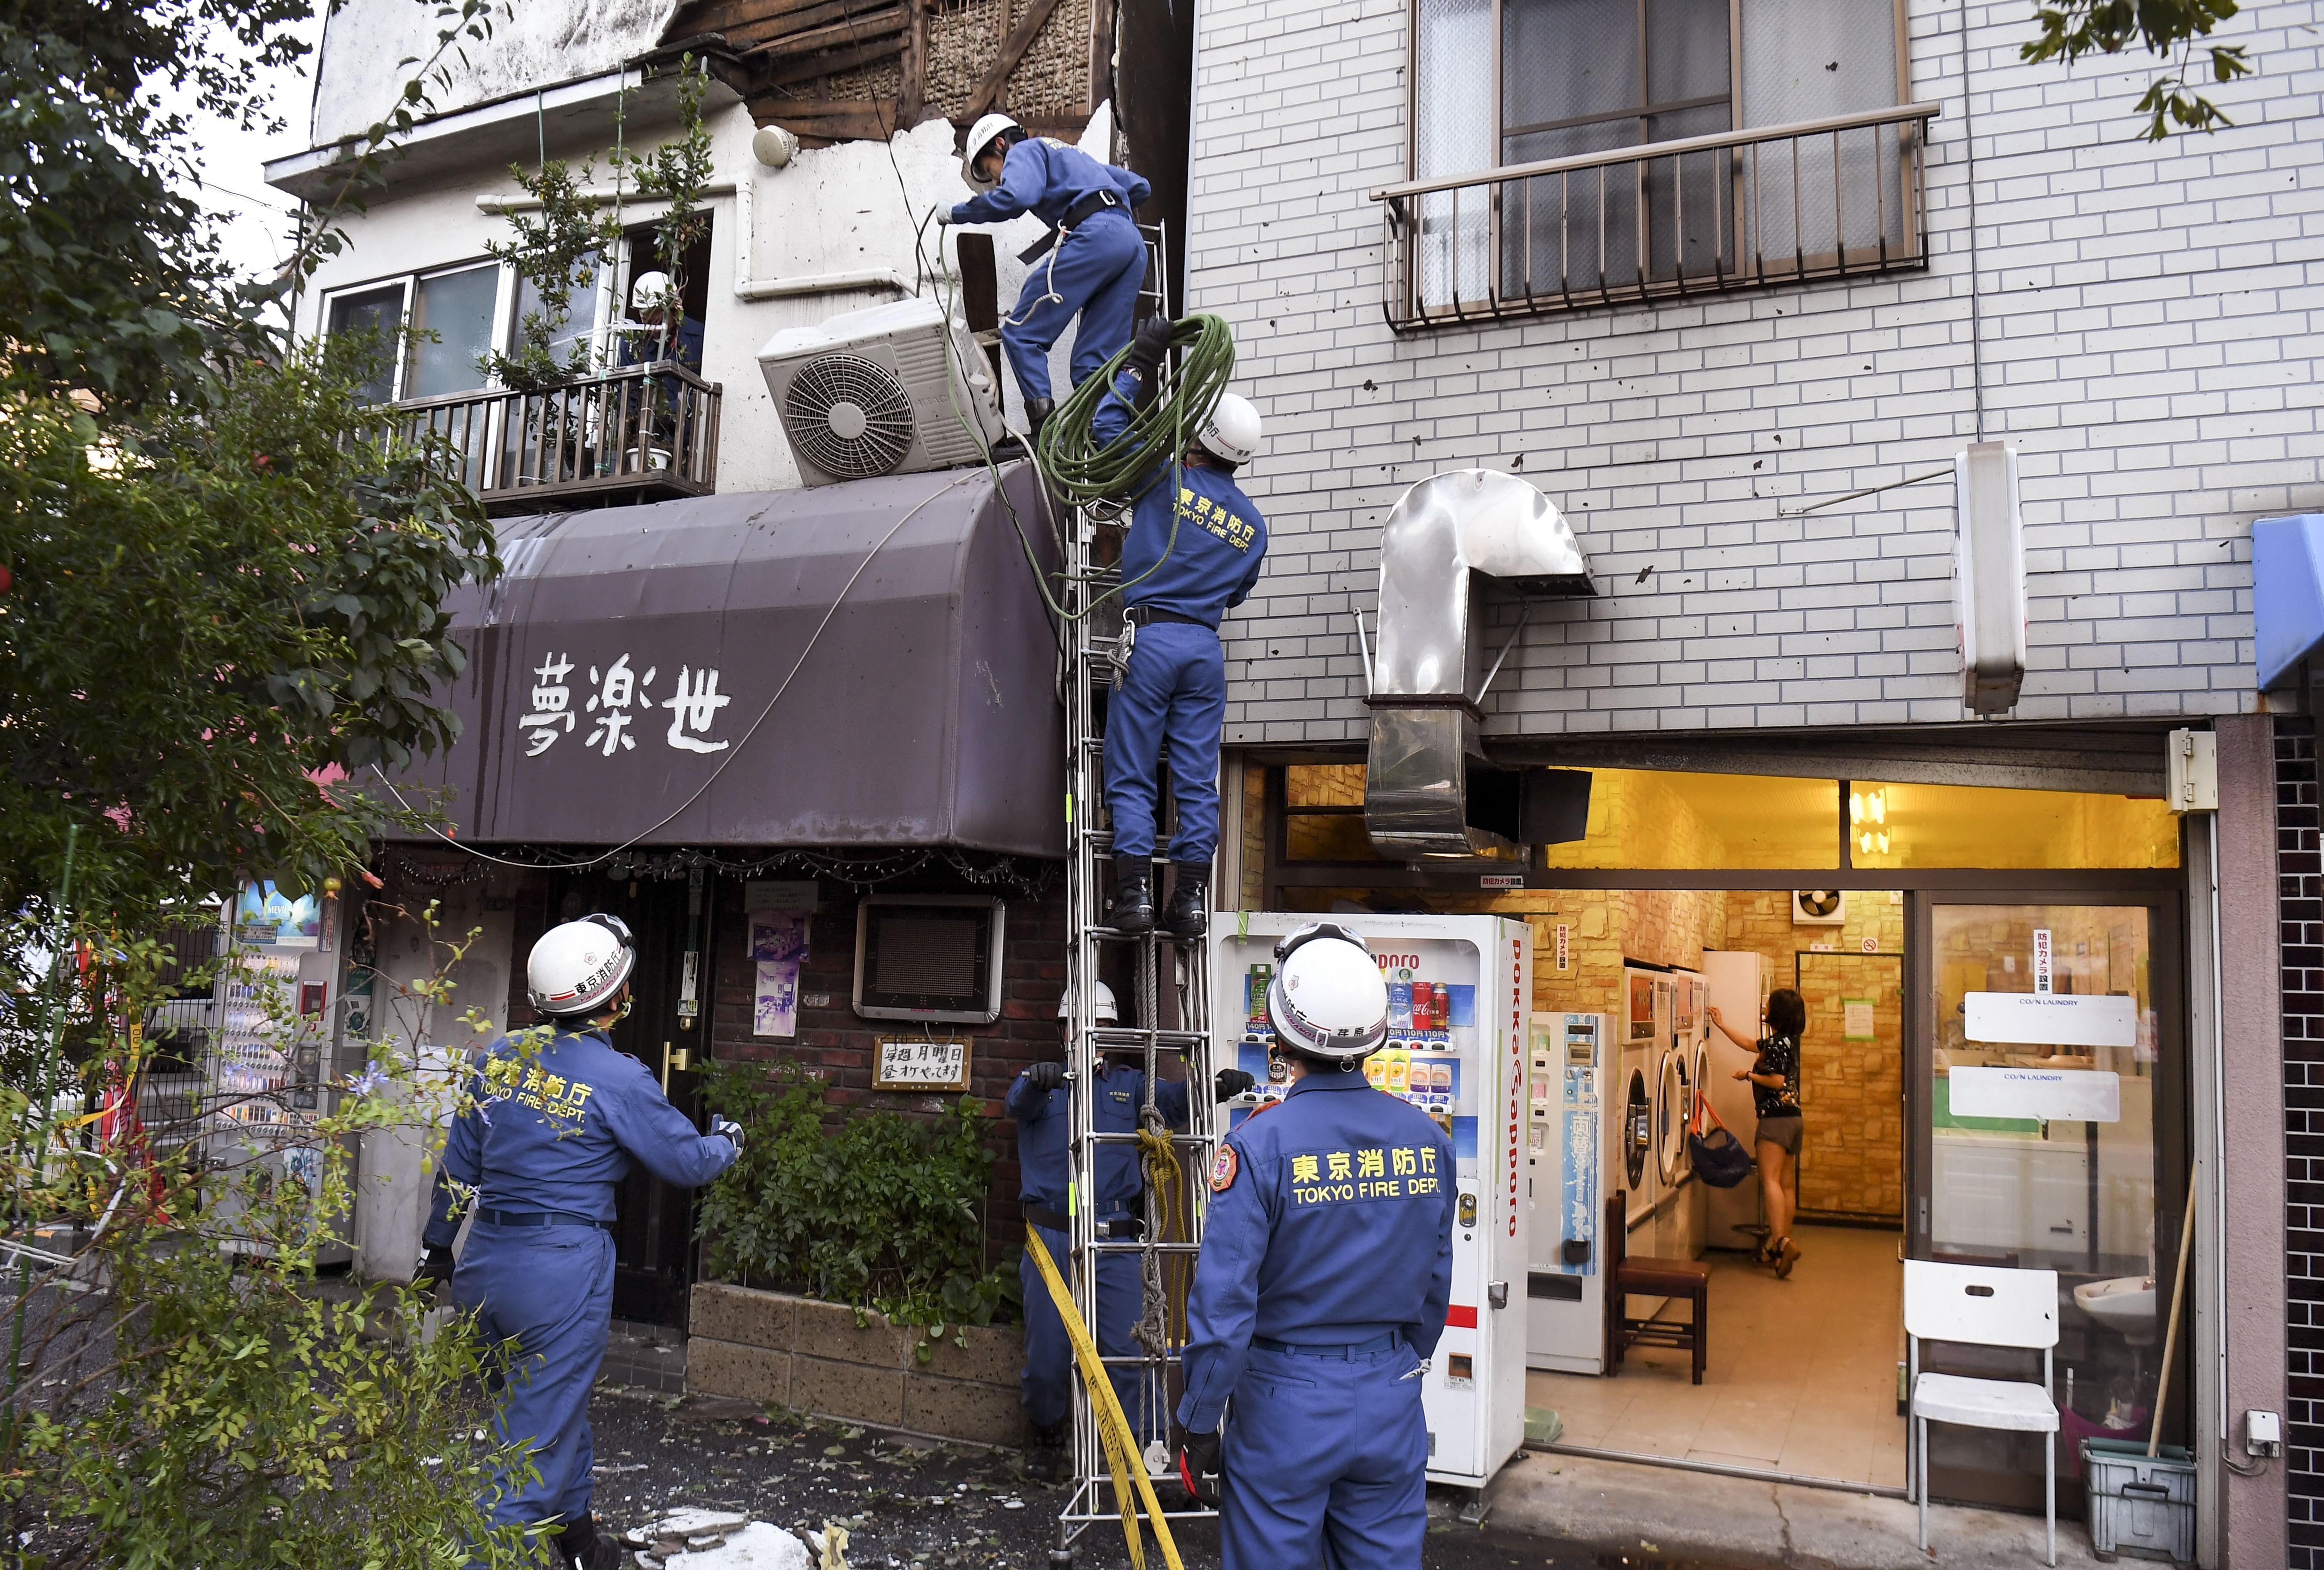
<point>1719,1159</point>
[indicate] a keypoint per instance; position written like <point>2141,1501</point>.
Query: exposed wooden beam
<point>838,122</point>
<point>845,34</point>
<point>1012,49</point>
<point>1101,66</point>
<point>809,67</point>
<point>913,96</point>
<point>770,34</point>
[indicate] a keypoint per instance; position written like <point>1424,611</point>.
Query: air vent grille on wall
<point>929,957</point>
<point>849,415</point>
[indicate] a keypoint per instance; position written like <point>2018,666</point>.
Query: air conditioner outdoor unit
<point>893,388</point>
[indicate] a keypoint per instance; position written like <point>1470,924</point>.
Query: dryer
<point>1737,981</point>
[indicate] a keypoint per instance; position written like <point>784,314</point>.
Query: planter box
<point>816,1357</point>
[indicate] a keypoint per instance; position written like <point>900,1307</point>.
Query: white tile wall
<point>2150,337</point>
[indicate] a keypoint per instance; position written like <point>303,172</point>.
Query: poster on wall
<point>778,952</point>
<point>1856,1020</point>
<point>921,1065</point>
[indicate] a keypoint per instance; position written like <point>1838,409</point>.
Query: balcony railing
<point>1776,204</point>
<point>643,433</point>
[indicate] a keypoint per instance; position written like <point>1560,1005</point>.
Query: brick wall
<point>2148,345</point>
<point>836,1047</point>
<point>2301,872</point>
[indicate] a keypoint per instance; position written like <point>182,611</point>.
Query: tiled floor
<point>1801,1376</point>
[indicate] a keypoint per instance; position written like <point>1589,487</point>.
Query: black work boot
<point>1045,1457</point>
<point>1038,411</point>
<point>1132,910</point>
<point>1190,900</point>
<point>586,1550</point>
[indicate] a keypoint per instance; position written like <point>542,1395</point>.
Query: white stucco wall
<point>833,210</point>
<point>536,43</point>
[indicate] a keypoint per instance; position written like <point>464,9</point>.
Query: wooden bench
<point>1629,1275</point>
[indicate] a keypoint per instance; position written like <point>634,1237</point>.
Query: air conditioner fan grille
<point>849,417</point>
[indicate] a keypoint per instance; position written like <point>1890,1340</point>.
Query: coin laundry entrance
<point>1938,1122</point>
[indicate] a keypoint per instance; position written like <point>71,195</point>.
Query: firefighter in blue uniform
<point>1091,264</point>
<point>550,1129</point>
<point>1320,1290</point>
<point>1038,1100</point>
<point>1194,551</point>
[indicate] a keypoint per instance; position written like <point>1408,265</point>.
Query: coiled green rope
<point>1113,476</point>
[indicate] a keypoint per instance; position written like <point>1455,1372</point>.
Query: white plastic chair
<point>1985,1307</point>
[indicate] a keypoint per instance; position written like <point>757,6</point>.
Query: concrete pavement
<point>1742,1522</point>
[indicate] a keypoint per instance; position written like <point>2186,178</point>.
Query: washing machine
<point>1634,1160</point>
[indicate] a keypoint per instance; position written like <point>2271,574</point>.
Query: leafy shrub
<point>882,1212</point>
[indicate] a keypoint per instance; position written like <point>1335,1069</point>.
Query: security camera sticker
<point>1223,1169</point>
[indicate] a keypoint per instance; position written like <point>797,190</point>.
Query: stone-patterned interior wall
<point>1853,1163</point>
<point>1852,1093</point>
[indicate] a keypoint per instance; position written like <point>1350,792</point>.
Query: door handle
<point>1497,1293</point>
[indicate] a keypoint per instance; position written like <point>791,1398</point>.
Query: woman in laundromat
<point>1774,1076</point>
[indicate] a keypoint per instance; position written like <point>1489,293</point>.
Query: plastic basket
<point>2138,1506</point>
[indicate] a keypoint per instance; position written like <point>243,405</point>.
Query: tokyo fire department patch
<point>1223,1169</point>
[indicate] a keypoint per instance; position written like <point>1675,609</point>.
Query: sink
<point>2125,1305</point>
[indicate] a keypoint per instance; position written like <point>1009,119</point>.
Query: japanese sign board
<point>921,1065</point>
<point>2050,1019</point>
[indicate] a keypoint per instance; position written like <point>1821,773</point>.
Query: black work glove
<point>1150,344</point>
<point>1232,1083</point>
<point>1045,1076</point>
<point>434,1269</point>
<point>1198,1458</point>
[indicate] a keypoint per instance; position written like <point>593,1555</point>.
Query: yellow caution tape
<point>1121,1451</point>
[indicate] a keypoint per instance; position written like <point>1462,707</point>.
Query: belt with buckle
<point>1094,202</point>
<point>1123,1225</point>
<point>1359,1349</point>
<point>539,1218</point>
<point>1148,615</point>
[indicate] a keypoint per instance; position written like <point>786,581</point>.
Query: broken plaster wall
<point>360,76</point>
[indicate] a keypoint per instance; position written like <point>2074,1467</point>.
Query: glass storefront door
<point>2051,1136</point>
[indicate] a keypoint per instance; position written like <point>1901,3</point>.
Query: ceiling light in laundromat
<point>1869,807</point>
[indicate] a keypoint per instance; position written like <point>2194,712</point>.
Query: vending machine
<point>1565,1165</point>
<point>268,1070</point>
<point>1460,991</point>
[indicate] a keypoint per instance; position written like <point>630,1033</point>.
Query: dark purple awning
<point>621,672</point>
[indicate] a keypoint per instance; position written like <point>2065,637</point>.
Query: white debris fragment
<point>695,1522</point>
<point>756,1545</point>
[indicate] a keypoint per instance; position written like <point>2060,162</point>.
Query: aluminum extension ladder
<point>1162,986</point>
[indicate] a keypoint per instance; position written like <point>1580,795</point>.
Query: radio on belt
<point>1460,995</point>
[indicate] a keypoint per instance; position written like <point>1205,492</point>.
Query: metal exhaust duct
<point>1417,787</point>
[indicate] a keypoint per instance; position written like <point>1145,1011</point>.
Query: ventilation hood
<point>1419,799</point>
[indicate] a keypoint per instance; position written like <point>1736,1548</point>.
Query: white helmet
<point>980,137</point>
<point>1327,999</point>
<point>1106,1012</point>
<point>575,967</point>
<point>1232,431</point>
<point>650,291</point>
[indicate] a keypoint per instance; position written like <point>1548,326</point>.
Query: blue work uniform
<point>1321,1287</point>
<point>544,1140</point>
<point>1094,270</point>
<point>1175,688</point>
<point>1044,1186</point>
